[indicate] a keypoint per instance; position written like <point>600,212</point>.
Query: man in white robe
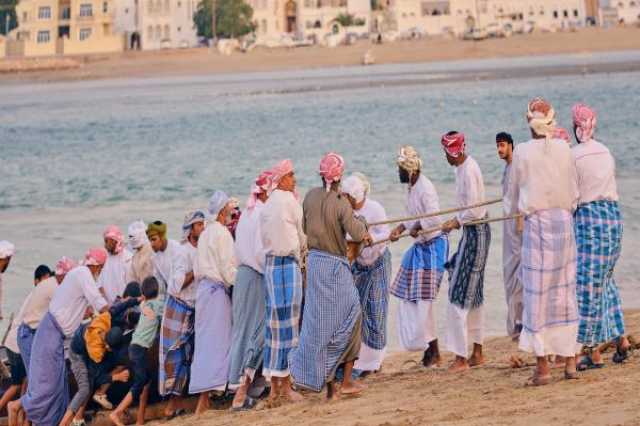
<point>141,265</point>
<point>113,278</point>
<point>543,188</point>
<point>7,250</point>
<point>511,246</point>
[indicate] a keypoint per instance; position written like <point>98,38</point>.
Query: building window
<point>541,12</point>
<point>167,32</point>
<point>86,9</point>
<point>65,13</point>
<point>126,11</point>
<point>44,37</point>
<point>621,5</point>
<point>555,14</point>
<point>575,13</point>
<point>24,16</point>
<point>44,12</point>
<point>167,6</point>
<point>85,33</point>
<point>158,32</point>
<point>565,13</point>
<point>179,29</point>
<point>105,7</point>
<point>179,4</point>
<point>264,26</point>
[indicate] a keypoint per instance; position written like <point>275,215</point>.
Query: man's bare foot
<point>476,361</point>
<point>203,404</point>
<point>114,416</point>
<point>12,410</point>
<point>170,409</point>
<point>352,388</point>
<point>458,366</point>
<point>516,362</point>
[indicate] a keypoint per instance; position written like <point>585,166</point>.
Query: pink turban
<point>64,265</point>
<point>331,168</point>
<point>262,184</point>
<point>114,233</point>
<point>560,133</point>
<point>280,170</point>
<point>584,118</point>
<point>453,144</point>
<point>95,257</point>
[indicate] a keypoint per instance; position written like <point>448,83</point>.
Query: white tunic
<point>216,258</point>
<point>248,246</point>
<point>113,278</point>
<point>596,172</point>
<point>511,253</point>
<point>170,268</point>
<point>189,294</point>
<point>71,299</point>
<point>469,190</point>
<point>281,225</point>
<point>372,211</point>
<point>537,168</point>
<point>422,198</point>
<point>37,303</point>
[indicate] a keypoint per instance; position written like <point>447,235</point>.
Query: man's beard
<point>4,269</point>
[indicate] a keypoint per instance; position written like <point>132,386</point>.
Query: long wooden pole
<point>439,228</point>
<point>439,213</point>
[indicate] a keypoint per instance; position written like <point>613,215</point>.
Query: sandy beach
<point>207,61</point>
<point>404,394</point>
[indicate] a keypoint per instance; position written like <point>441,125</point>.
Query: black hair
<point>114,337</point>
<point>504,137</point>
<point>132,317</point>
<point>452,132</point>
<point>150,288</point>
<point>132,290</point>
<point>41,271</point>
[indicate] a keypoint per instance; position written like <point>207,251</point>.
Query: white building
<point>157,24</point>
<point>458,16</point>
<point>628,10</point>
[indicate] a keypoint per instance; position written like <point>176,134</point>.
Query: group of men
<point>298,293</point>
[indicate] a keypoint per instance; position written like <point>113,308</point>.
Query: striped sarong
<point>331,311</point>
<point>421,271</point>
<point>598,229</point>
<point>548,272</point>
<point>372,283</point>
<point>210,368</point>
<point>47,394</point>
<point>176,347</point>
<point>466,267</point>
<point>283,288</point>
<point>25,338</point>
<point>247,341</point>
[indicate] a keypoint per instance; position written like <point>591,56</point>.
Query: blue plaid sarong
<point>331,311</point>
<point>466,267</point>
<point>372,283</point>
<point>176,347</point>
<point>421,271</point>
<point>598,228</point>
<point>548,271</point>
<point>283,288</point>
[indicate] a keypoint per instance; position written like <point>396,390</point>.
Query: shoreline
<point>206,62</point>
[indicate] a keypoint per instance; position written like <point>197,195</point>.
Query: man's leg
<point>241,392</point>
<point>13,410</point>
<point>287,391</point>
<point>142,406</point>
<point>349,386</point>
<point>203,403</point>
<point>457,337</point>
<point>542,375</point>
<point>475,326</point>
<point>432,355</point>
<point>8,395</point>
<point>116,414</point>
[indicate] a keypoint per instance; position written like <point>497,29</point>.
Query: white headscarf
<point>218,200</point>
<point>137,234</point>
<point>6,249</point>
<point>365,182</point>
<point>409,159</point>
<point>541,123</point>
<point>354,186</point>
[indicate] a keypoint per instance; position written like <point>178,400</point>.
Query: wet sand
<point>205,61</point>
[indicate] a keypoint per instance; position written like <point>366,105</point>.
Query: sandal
<point>103,401</point>
<point>586,363</point>
<point>536,380</point>
<point>620,356</point>
<point>248,404</point>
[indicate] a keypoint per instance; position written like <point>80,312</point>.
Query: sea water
<point>78,156</point>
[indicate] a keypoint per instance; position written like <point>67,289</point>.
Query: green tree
<point>7,8</point>
<point>345,19</point>
<point>233,18</point>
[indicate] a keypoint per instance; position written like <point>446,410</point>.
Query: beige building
<point>66,27</point>
<point>628,10</point>
<point>310,20</point>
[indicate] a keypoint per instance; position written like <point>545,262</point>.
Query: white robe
<point>113,278</point>
<point>511,251</point>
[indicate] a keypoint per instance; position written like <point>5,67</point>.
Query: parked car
<point>475,34</point>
